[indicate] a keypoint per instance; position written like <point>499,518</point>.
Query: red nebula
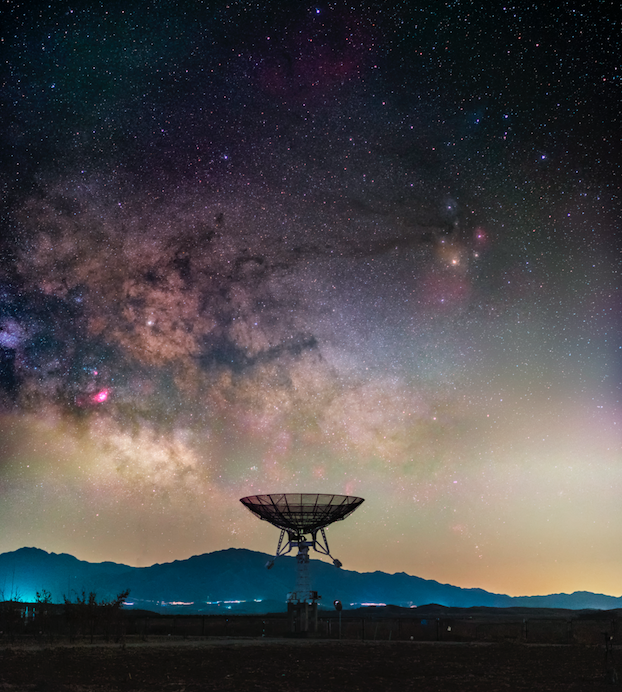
<point>480,237</point>
<point>101,396</point>
<point>444,289</point>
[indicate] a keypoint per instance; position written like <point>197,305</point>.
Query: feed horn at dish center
<point>302,518</point>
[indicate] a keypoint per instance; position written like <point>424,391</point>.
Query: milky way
<point>370,249</point>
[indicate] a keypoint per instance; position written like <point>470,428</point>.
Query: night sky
<point>355,248</point>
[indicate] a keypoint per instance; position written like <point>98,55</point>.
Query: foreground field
<point>278,665</point>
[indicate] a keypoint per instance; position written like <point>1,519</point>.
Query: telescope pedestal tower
<point>302,603</point>
<point>298,515</point>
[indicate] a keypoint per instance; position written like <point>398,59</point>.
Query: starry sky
<point>366,248</point>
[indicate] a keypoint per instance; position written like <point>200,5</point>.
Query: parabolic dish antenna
<point>298,515</point>
<point>301,512</point>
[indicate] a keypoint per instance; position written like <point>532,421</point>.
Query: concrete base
<point>302,617</point>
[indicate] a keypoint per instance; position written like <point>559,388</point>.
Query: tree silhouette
<point>85,615</point>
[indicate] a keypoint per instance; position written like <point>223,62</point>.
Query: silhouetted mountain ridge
<point>240,575</point>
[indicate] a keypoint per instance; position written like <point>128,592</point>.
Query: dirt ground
<point>281,665</point>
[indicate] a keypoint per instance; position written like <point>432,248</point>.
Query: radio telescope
<point>299,515</point>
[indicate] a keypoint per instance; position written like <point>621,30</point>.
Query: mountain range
<point>237,580</point>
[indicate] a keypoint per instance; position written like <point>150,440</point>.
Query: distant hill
<point>205,583</point>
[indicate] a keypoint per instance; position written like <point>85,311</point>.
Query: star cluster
<point>363,248</point>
